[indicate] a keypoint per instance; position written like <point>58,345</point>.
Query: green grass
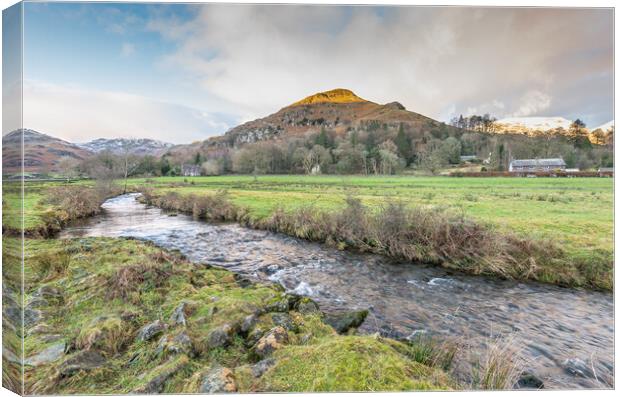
<point>576,212</point>
<point>91,316</point>
<point>349,363</point>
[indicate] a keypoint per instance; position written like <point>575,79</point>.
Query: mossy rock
<point>348,363</point>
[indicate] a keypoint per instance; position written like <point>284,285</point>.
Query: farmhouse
<point>190,170</point>
<point>532,165</point>
<point>465,159</point>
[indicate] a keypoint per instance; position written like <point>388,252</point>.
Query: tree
<point>129,163</point>
<point>403,143</point>
<point>430,161</point>
<point>578,135</point>
<point>451,150</point>
<point>599,136</point>
<point>68,167</point>
<point>324,139</point>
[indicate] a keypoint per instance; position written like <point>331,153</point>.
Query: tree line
<point>369,149</point>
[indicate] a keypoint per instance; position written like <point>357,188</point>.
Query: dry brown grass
<point>499,368</point>
<point>127,282</point>
<point>431,235</point>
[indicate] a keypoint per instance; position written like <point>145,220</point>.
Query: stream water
<point>565,336</point>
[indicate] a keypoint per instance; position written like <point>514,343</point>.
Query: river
<point>565,336</point>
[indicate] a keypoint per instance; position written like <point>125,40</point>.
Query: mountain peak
<point>338,95</point>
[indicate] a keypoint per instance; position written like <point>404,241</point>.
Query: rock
<point>243,281</point>
<point>83,361</point>
<point>178,315</point>
<point>278,305</point>
<point>342,322</point>
<point>254,336</point>
<point>11,315</point>
<point>180,344</point>
<point>151,330</point>
<point>220,336</point>
<point>160,375</point>
<point>294,299</point>
<point>577,367</point>
<point>248,322</point>
<point>32,316</point>
<point>272,341</point>
<point>528,380</point>
<point>262,366</point>
<point>51,353</point>
<point>307,306</point>
<point>284,320</point>
<point>218,380</point>
<point>10,356</point>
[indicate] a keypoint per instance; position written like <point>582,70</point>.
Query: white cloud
<point>80,115</point>
<point>261,58</point>
<point>127,49</point>
<point>533,102</point>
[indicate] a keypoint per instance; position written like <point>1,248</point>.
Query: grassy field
<point>576,212</point>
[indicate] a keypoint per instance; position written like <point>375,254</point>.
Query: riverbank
<point>119,316</point>
<point>435,234</point>
<point>172,241</point>
<point>418,234</point>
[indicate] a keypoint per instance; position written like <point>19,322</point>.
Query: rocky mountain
<point>142,146</point>
<point>41,152</point>
<point>526,125</point>
<point>338,110</point>
<point>605,127</point>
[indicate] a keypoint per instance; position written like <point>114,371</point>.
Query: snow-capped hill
<point>528,124</point>
<point>605,127</point>
<point>140,146</point>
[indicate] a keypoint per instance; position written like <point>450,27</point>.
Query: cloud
<point>80,115</point>
<point>127,49</point>
<point>532,103</point>
<point>511,61</point>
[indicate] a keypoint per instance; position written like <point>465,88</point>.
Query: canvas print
<point>219,198</point>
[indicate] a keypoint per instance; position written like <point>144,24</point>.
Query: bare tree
<point>68,167</point>
<point>129,163</point>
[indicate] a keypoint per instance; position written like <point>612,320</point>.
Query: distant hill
<point>605,127</point>
<point>41,152</point>
<point>337,110</point>
<point>139,146</point>
<point>526,125</point>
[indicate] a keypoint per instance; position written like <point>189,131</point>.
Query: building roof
<point>538,162</point>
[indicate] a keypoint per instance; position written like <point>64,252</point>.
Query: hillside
<point>338,110</point>
<point>41,152</point>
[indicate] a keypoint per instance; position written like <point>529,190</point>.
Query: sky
<point>184,72</point>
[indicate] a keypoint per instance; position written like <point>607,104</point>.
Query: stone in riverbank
<point>82,361</point>
<point>220,337</point>
<point>343,322</point>
<point>218,380</point>
<point>275,339</point>
<point>48,355</point>
<point>151,330</point>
